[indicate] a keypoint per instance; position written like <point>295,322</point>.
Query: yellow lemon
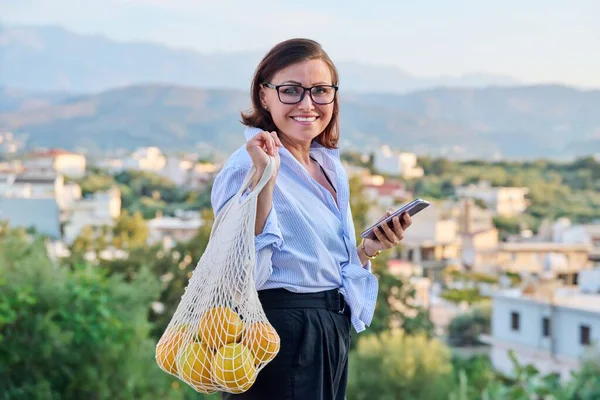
<point>233,367</point>
<point>168,346</point>
<point>194,365</point>
<point>220,326</point>
<point>262,340</point>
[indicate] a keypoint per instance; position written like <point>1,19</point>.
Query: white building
<point>548,327</point>
<point>112,165</point>
<point>180,228</point>
<point>384,195</point>
<point>397,163</point>
<point>102,208</point>
<point>177,170</point>
<point>501,200</point>
<point>146,159</point>
<point>40,185</point>
<point>56,160</point>
<point>585,233</point>
<point>201,175</point>
<point>31,186</point>
<point>8,143</point>
<point>432,242</point>
<point>41,214</point>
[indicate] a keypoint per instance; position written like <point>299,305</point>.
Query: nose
<point>306,103</point>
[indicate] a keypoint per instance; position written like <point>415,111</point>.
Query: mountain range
<point>522,122</point>
<point>61,89</point>
<point>54,59</point>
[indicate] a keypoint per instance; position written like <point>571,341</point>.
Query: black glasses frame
<point>305,89</point>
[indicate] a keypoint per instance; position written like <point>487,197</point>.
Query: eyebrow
<point>298,83</point>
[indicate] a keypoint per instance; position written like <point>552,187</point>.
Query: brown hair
<point>284,54</point>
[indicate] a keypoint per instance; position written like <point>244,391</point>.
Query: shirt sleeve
<point>352,234</point>
<point>226,185</point>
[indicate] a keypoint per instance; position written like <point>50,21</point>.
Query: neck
<point>300,150</point>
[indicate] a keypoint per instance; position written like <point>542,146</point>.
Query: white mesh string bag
<point>219,337</point>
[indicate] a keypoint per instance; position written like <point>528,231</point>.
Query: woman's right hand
<point>260,147</point>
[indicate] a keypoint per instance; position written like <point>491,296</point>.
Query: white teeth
<point>302,119</point>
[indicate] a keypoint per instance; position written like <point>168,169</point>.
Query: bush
<point>464,329</point>
<point>74,333</point>
<point>393,365</point>
<point>458,296</point>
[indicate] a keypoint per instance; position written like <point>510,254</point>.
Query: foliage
<point>468,295</point>
<point>556,189</point>
<point>476,379</point>
<point>464,329</point>
<point>148,184</point>
<point>471,276</point>
<point>94,182</point>
<point>130,231</point>
<point>172,266</point>
<point>394,365</point>
<point>146,192</point>
<point>74,333</point>
<point>356,158</point>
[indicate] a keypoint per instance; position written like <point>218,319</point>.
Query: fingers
<point>396,235</point>
<point>273,142</point>
<point>406,221</point>
<point>392,237</point>
<point>382,237</point>
<point>268,141</point>
<point>276,138</point>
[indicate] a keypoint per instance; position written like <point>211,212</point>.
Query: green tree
<point>469,295</point>
<point>130,231</point>
<point>84,242</point>
<point>464,329</point>
<point>173,267</point>
<point>95,182</point>
<point>75,333</point>
<point>393,365</point>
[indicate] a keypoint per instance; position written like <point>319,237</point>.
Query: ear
<point>263,96</point>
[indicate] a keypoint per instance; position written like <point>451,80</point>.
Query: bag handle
<point>264,179</point>
<point>235,200</point>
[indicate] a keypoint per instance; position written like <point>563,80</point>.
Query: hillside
<point>544,121</point>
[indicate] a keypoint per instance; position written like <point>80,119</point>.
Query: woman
<point>312,280</point>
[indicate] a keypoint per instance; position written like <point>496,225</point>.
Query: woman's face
<point>304,121</point>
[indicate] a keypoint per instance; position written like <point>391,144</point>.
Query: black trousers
<point>312,363</point>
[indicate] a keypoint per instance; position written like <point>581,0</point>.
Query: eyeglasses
<point>294,94</point>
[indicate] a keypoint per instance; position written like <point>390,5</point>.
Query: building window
<point>584,335</point>
<point>546,327</point>
<point>514,321</point>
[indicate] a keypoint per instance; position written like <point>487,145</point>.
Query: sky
<point>535,41</point>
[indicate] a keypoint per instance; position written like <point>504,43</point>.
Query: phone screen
<point>411,208</point>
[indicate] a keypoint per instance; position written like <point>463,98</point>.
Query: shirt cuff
<point>271,234</point>
<point>367,266</point>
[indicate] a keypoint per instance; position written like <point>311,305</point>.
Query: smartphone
<point>411,208</point>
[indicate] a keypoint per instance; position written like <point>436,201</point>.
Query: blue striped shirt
<point>308,243</point>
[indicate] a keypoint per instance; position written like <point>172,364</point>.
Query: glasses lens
<point>322,94</point>
<point>290,94</point>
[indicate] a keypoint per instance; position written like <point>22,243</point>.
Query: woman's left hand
<point>387,237</point>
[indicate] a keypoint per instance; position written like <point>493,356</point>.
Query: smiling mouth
<point>305,119</point>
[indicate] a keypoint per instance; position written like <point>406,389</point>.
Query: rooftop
<point>168,223</point>
<point>49,153</point>
<point>543,246</point>
<point>568,297</point>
